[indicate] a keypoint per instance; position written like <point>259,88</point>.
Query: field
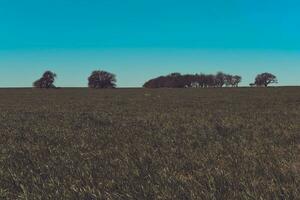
<point>228,143</point>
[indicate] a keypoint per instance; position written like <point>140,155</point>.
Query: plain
<point>213,143</point>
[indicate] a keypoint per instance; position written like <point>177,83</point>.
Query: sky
<point>141,39</point>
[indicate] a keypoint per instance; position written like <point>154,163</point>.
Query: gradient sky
<point>141,39</point>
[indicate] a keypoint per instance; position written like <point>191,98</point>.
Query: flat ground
<point>150,144</point>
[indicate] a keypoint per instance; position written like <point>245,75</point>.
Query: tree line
<point>177,80</point>
<point>104,79</point>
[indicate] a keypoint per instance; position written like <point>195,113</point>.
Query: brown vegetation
<point>225,143</point>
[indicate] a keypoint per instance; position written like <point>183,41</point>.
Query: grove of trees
<point>104,79</point>
<point>177,80</point>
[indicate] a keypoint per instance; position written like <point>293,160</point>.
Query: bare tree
<point>102,79</point>
<point>46,81</point>
<point>265,79</point>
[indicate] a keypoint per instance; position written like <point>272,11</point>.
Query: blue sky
<point>139,39</point>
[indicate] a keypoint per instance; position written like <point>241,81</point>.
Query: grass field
<point>225,143</point>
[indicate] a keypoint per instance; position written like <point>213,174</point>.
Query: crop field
<point>226,143</point>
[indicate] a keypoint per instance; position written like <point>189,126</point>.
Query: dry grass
<point>150,144</point>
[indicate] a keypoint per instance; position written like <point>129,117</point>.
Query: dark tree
<point>228,80</point>
<point>210,80</point>
<point>220,79</point>
<point>236,80</point>
<point>46,81</point>
<point>265,79</point>
<point>189,80</point>
<point>200,78</point>
<point>102,79</point>
<point>232,81</point>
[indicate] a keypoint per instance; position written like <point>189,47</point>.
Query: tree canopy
<point>46,81</point>
<point>265,79</point>
<point>102,79</point>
